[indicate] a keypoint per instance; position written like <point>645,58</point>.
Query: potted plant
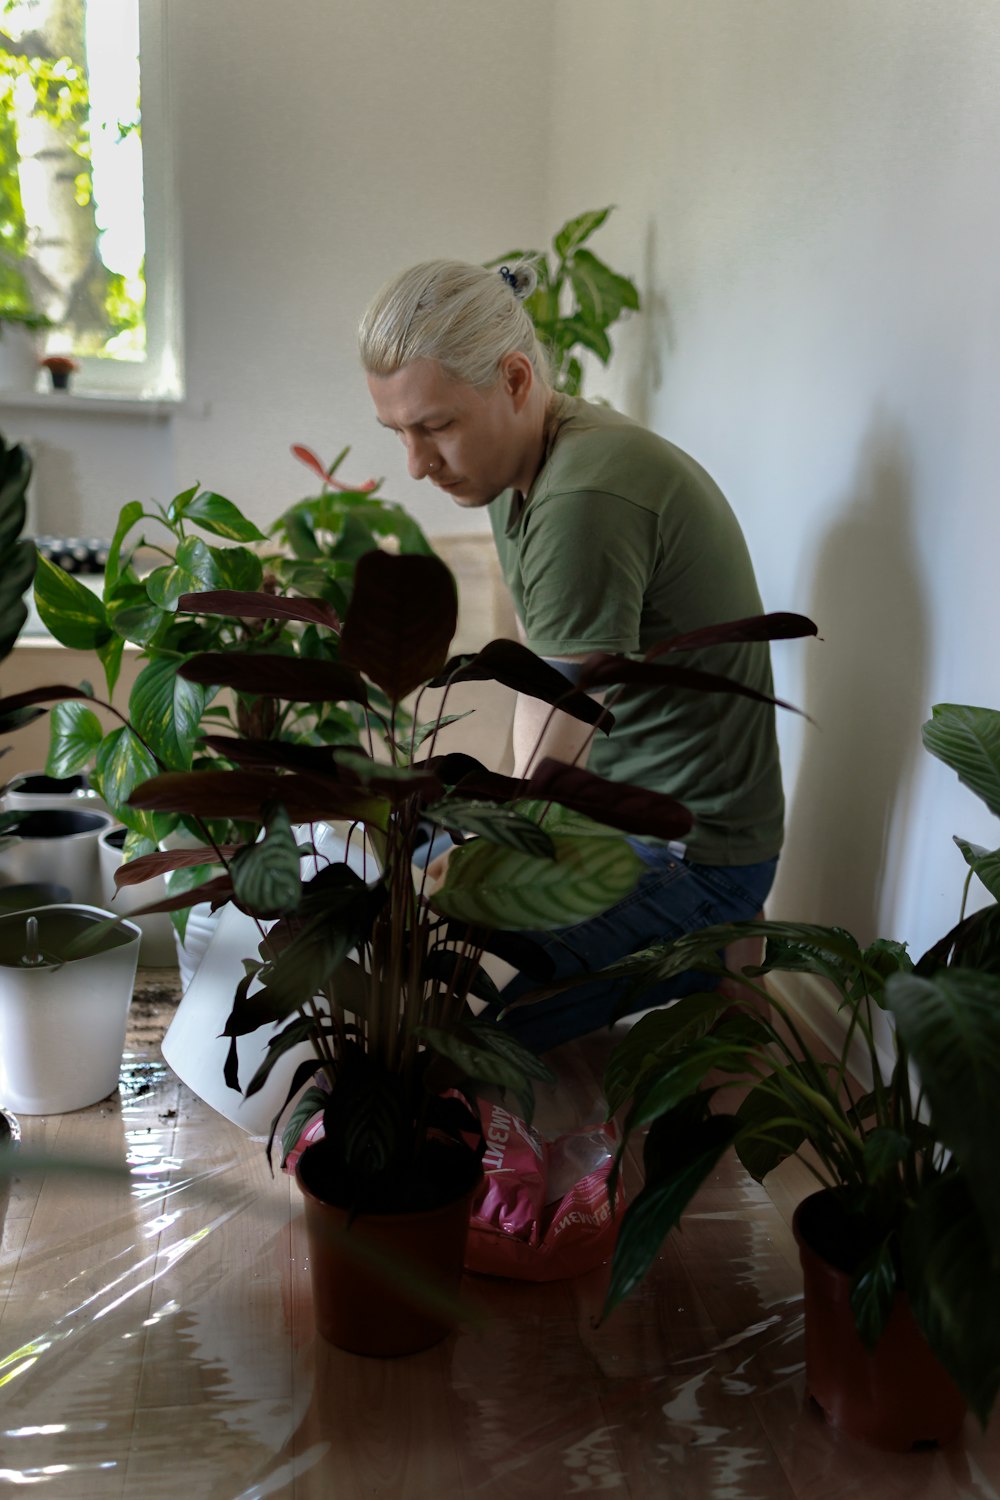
<point>60,368</point>
<point>904,1231</point>
<point>376,970</point>
<point>577,299</point>
<point>156,555</point>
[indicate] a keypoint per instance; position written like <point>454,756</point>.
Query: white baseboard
<point>814,1004</point>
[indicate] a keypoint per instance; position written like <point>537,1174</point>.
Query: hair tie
<point>509,277</point>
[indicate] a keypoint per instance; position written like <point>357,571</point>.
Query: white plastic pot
<point>193,1045</point>
<point>62,1020</point>
<point>31,790</point>
<point>57,846</point>
<point>158,948</point>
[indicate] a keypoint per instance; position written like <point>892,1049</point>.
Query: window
<point>84,188</point>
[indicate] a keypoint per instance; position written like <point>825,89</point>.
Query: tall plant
<point>577,299</point>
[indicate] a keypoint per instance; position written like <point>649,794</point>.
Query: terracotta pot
<point>896,1396</point>
<point>385,1284</point>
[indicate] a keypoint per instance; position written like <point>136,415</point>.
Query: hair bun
<point>521,277</point>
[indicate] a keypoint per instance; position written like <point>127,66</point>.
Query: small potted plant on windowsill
<point>904,1233</point>
<point>60,368</point>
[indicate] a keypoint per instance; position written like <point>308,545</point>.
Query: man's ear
<point>517,374</point>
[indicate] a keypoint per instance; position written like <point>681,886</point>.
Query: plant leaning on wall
<point>376,973</point>
<point>914,1177</point>
<point>577,299</point>
<point>312,548</point>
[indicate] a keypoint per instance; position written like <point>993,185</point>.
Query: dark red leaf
<point>633,809</point>
<point>39,695</point>
<point>779,626</point>
<point>517,667</point>
<point>602,669</point>
<point>249,605</point>
<point>291,677</point>
<point>244,795</point>
<point>400,620</point>
<point>217,892</point>
<point>147,866</point>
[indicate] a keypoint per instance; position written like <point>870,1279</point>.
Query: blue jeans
<point>673,897</point>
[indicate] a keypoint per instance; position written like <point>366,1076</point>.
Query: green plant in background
<point>913,1174</point>
<point>577,299</point>
<point>202,542</point>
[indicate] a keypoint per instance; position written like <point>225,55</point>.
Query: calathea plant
<point>201,540</point>
<point>914,1194</point>
<point>375,970</point>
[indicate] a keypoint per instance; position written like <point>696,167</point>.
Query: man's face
<point>465,440</point>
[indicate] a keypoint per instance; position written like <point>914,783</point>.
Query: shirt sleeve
<point>585,562</point>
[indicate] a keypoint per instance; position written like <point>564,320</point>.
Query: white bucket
<point>62,1023</point>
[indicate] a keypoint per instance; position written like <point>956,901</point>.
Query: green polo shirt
<point>624,541</point>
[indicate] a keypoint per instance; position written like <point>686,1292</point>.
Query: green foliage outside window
<point>101,303</point>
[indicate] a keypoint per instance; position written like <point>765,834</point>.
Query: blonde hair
<point>464,316</point>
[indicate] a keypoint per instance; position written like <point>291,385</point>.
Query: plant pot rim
<point>131,933</point>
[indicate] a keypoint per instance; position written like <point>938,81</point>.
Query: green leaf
<point>575,231</point>
<point>123,763</point>
<point>655,1037</point>
<point>873,1293</point>
<point>986,864</point>
<point>968,740</point>
<point>166,711</point>
<point>481,1063</point>
<point>194,569</point>
<point>110,656</point>
<point>950,1275</point>
<point>266,878</point>
<point>769,1129</point>
<point>491,886</point>
<point>681,1151</point>
<point>500,825</point>
<point>602,294</point>
<point>950,1024</point>
<point>221,517</point>
<point>76,736</point>
<point>884,1150</point>
<point>424,731</point>
<point>127,518</point>
<point>237,568</point>
<point>72,612</point>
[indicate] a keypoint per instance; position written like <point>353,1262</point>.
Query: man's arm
<point>540,732</point>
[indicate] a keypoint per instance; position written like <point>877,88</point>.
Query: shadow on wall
<point>866,695</point>
<point>653,337</point>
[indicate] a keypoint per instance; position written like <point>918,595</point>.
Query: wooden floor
<point>156,1341</point>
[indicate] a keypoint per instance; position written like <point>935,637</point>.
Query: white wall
<point>808,195</point>
<point>319,146</point>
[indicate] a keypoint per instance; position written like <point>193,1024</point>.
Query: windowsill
<point>80,404</point>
